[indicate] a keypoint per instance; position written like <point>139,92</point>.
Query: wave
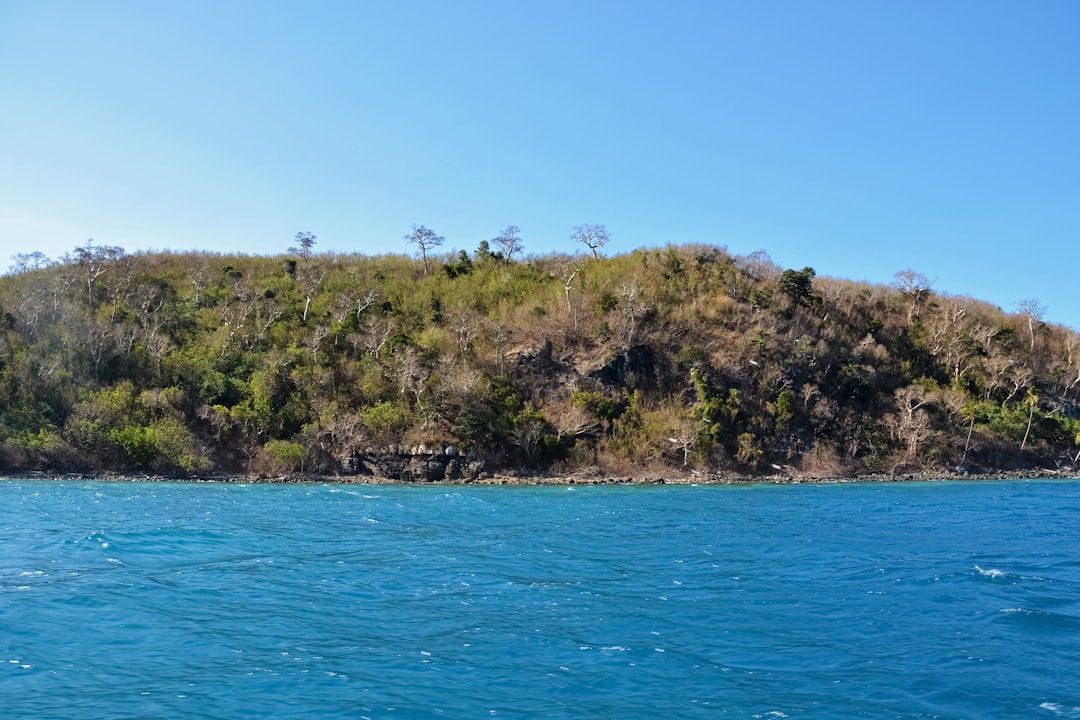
<point>1043,619</point>
<point>990,572</point>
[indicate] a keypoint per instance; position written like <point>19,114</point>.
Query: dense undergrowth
<point>676,357</point>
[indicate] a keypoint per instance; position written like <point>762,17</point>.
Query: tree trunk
<point>967,443</point>
<point>1031,414</point>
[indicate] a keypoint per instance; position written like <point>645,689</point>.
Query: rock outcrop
<point>421,463</point>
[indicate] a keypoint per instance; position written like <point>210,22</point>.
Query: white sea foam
<point>1057,709</point>
<point>990,572</point>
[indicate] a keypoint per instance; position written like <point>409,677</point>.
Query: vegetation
<point>676,357</point>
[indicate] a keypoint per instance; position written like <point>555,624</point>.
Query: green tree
<point>305,241</point>
<point>798,285</point>
<point>284,456</point>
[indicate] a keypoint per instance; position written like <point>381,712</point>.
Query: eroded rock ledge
<point>409,469</point>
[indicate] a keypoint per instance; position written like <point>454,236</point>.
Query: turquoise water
<point>931,600</point>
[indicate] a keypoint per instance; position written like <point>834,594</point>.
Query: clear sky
<point>860,138</point>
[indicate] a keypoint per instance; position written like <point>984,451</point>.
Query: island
<point>666,364</point>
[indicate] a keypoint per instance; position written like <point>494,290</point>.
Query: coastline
<point>583,479</point>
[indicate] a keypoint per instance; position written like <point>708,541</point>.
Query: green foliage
<point>284,456</point>
<point>178,363</point>
<point>639,433</point>
<point>748,452</point>
<point>599,406</point>
<point>463,266</point>
<point>176,446</point>
<point>785,409</point>
<point>137,441</point>
<point>717,410</point>
<point>798,285</point>
<point>384,420</point>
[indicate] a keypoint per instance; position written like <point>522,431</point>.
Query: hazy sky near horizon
<point>859,138</point>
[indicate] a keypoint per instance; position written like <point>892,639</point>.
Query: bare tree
<point>1019,376</point>
<point>913,424</point>
<point>202,271</point>
<point>1072,363</point>
<point>916,287</point>
<point>466,324</point>
<point>592,236</point>
<point>685,436</point>
<point>25,262</point>
<point>530,426</point>
<point>374,336</point>
<point>95,337</point>
<point>759,266</point>
<point>1034,312</point>
<point>565,268</point>
<point>95,261</point>
<point>508,242</point>
<point>573,421</point>
<point>413,376</point>
<point>314,342</point>
<point>304,242</point>
<point>425,240</point>
<point>352,303</point>
<point>310,279</point>
<point>984,335</point>
<point>950,336</point>
<point>500,336</point>
<point>632,308</point>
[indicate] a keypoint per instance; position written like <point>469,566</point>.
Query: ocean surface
<point>905,600</point>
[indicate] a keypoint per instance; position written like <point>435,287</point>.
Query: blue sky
<point>860,138</point>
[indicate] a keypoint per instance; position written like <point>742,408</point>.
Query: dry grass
<point>823,461</point>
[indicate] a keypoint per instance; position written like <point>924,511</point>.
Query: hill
<point>450,366</point>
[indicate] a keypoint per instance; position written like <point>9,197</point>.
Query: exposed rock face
<point>424,464</point>
<point>539,368</point>
<point>634,367</point>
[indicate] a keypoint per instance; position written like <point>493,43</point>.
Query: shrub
<point>283,456</point>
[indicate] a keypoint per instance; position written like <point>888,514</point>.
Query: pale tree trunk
<point>967,443</point>
<point>1031,414</point>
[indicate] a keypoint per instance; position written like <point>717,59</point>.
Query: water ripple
<point>905,601</point>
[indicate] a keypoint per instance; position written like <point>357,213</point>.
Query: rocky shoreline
<point>583,478</point>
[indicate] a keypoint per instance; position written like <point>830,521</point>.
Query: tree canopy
<point>670,357</point>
